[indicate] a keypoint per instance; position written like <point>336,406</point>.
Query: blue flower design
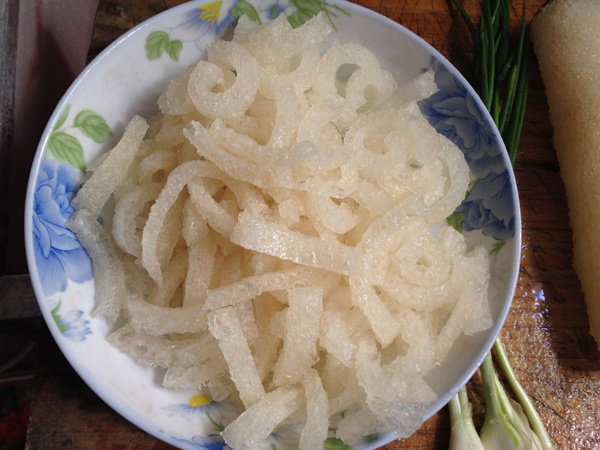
<point>210,442</point>
<point>218,413</point>
<point>283,437</point>
<point>194,407</point>
<point>455,114</point>
<point>488,207</point>
<point>57,250</point>
<point>270,9</point>
<point>73,325</point>
<point>210,20</point>
<point>275,10</point>
<point>76,327</point>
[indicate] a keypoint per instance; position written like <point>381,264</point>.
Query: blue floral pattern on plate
<point>72,325</point>
<point>456,115</point>
<point>210,442</point>
<point>58,254</point>
<point>453,113</point>
<point>209,21</point>
<point>487,207</point>
<point>219,413</point>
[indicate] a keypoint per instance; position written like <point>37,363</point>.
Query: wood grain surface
<point>546,333</point>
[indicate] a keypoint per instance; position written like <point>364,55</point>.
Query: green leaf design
<point>305,9</point>
<point>372,437</point>
<point>455,220</point>
<point>56,317</point>
<point>312,7</point>
<point>298,18</point>
<point>64,147</point>
<point>243,7</point>
<point>217,426</point>
<point>63,117</point>
<point>497,247</point>
<point>173,48</point>
<point>156,43</point>
<point>92,125</point>
<point>334,444</point>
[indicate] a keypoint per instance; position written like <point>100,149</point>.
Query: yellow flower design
<point>211,11</point>
<point>199,400</point>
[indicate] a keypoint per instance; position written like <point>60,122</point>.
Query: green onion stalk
<point>464,435</point>
<point>500,79</point>
<point>505,425</point>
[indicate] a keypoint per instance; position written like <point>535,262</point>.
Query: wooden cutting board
<point>546,333</point>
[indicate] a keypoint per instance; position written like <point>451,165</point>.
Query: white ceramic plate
<point>127,79</point>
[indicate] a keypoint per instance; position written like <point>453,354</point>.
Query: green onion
<point>463,435</point>
<point>501,81</point>
<point>500,76</point>
<point>505,425</point>
<point>524,400</point>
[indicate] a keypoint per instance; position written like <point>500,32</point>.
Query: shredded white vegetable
<point>271,242</point>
